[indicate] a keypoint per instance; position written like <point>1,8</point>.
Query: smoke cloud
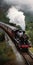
<point>16,17</point>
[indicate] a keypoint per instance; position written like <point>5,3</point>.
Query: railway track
<point>28,58</point>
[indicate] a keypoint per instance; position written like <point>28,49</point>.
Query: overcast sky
<point>24,5</point>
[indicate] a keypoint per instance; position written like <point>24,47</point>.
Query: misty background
<point>23,5</point>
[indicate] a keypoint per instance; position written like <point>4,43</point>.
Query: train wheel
<point>26,49</point>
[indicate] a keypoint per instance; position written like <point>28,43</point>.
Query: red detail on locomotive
<point>23,46</point>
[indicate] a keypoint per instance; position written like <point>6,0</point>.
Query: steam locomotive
<point>22,40</point>
<point>19,36</point>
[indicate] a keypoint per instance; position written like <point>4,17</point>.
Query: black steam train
<point>22,39</point>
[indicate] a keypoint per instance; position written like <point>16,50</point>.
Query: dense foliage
<point>29,30</point>
<point>2,37</point>
<point>3,17</point>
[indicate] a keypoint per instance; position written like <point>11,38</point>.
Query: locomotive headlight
<point>20,33</point>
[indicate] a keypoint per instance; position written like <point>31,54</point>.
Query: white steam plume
<point>16,17</point>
